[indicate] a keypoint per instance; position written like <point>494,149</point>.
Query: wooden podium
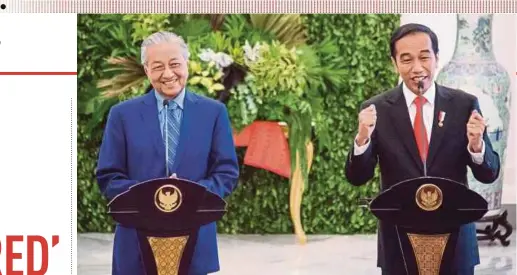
<point>167,214</point>
<point>427,213</point>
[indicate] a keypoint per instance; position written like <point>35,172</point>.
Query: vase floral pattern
<point>474,69</point>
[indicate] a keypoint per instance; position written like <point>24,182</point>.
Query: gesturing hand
<point>367,121</point>
<point>475,129</point>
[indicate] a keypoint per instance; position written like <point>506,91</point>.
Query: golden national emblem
<point>429,197</point>
<point>167,198</point>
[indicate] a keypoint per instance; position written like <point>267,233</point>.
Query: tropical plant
<point>128,74</point>
<point>245,103</point>
<point>207,78</point>
<point>286,28</point>
<point>275,80</point>
<point>291,84</point>
<point>145,24</point>
<point>264,79</point>
<point>258,205</point>
<point>111,41</point>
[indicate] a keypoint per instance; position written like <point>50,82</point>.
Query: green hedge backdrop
<point>260,203</point>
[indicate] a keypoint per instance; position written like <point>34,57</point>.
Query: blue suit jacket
<point>133,151</point>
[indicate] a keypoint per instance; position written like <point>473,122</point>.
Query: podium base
<point>492,232</point>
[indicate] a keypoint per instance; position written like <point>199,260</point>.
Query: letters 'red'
<point>11,255</point>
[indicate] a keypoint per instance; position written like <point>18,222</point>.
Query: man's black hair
<point>411,28</point>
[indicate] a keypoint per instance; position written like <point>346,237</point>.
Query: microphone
<point>421,87</point>
<point>421,93</point>
<point>166,135</point>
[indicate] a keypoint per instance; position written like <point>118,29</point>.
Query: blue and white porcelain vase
<point>474,69</point>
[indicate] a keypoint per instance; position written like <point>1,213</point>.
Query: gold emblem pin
<point>429,197</point>
<point>167,198</point>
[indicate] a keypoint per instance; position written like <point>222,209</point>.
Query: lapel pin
<point>441,118</point>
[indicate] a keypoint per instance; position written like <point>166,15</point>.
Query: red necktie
<point>419,128</point>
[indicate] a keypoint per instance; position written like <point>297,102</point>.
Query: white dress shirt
<point>428,114</point>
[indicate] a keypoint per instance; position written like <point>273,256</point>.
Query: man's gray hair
<point>160,37</point>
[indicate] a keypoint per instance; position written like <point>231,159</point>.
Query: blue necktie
<point>173,131</point>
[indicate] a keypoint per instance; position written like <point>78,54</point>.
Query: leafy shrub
<point>345,61</point>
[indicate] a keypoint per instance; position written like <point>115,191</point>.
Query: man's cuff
<point>478,158</point>
<point>359,150</point>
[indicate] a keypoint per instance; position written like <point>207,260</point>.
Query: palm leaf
<point>216,21</point>
<point>288,28</point>
<point>128,74</point>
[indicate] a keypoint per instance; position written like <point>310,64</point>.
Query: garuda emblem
<point>167,198</point>
<point>429,197</point>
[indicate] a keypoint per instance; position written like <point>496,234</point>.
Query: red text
<point>7,249</point>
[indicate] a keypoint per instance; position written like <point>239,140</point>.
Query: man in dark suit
<point>401,129</point>
<point>168,132</point>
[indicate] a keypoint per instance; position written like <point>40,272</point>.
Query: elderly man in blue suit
<point>172,125</point>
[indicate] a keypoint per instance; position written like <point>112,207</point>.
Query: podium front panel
<point>167,255</point>
<point>427,254</point>
<point>428,251</point>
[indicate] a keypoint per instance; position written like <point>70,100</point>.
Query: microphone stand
<point>423,131</point>
<point>166,132</point>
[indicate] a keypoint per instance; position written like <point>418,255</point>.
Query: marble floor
<point>278,254</point>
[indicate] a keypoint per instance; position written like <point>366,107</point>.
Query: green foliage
<point>260,203</point>
<point>96,41</point>
<point>236,26</point>
<point>280,80</point>
<point>146,24</point>
<point>207,77</point>
<point>91,206</point>
<point>345,61</point>
<point>287,28</point>
<point>291,83</point>
<point>244,103</point>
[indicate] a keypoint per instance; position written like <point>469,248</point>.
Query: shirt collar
<point>410,96</point>
<point>179,99</point>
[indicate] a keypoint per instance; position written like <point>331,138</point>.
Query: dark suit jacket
<point>393,146</point>
<point>133,151</point>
